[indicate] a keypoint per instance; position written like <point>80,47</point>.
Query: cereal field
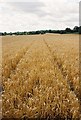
<point>40,76</point>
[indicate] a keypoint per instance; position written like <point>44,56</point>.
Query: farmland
<point>40,76</point>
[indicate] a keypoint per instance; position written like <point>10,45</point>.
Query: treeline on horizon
<point>75,30</point>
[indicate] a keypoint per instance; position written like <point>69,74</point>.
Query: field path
<point>12,62</point>
<point>56,60</point>
<point>37,86</point>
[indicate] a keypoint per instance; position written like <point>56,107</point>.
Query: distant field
<point>41,76</point>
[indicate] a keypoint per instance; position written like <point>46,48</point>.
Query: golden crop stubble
<point>66,50</point>
<point>15,51</point>
<point>37,87</point>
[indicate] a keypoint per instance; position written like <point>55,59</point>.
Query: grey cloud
<point>38,14</point>
<point>30,7</point>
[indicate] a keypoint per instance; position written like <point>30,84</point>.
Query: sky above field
<point>28,15</point>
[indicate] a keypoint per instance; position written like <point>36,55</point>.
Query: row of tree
<point>76,29</point>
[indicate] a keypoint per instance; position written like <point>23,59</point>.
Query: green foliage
<point>76,29</point>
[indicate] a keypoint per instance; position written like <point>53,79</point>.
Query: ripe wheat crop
<point>40,76</point>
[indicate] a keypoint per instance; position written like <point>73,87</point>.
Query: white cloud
<point>29,15</point>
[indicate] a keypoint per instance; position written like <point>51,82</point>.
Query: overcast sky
<point>28,15</point>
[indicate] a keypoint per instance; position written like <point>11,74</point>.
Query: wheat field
<point>40,76</point>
